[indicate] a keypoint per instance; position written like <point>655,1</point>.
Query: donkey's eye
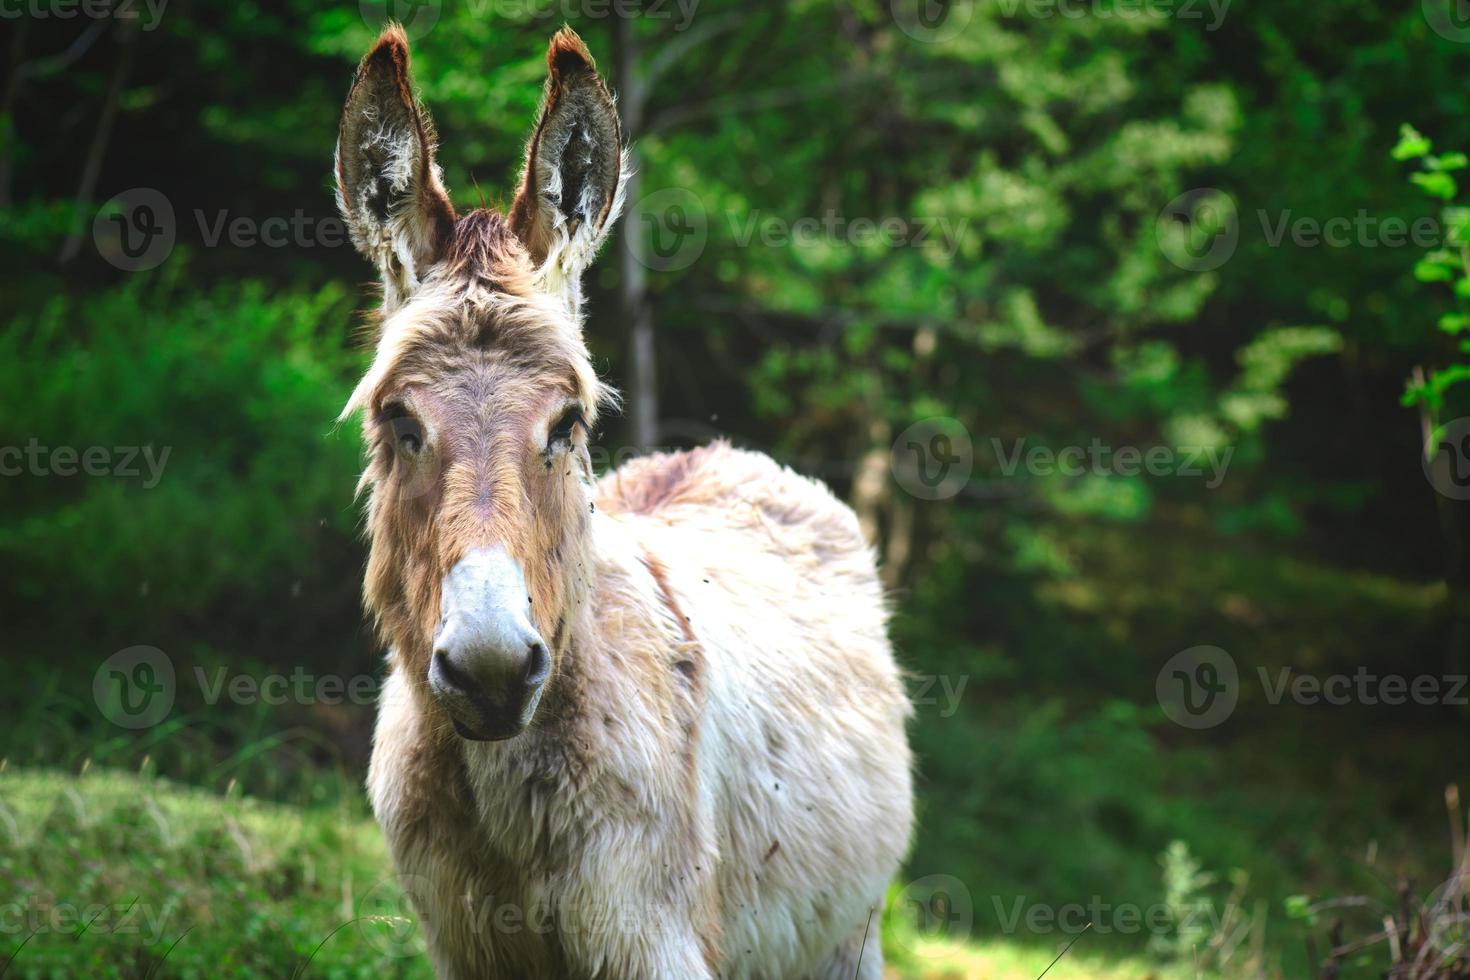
<point>407,431</point>
<point>410,435</point>
<point>565,426</point>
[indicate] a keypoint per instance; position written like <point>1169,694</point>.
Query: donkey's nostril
<point>452,675</point>
<point>538,665</point>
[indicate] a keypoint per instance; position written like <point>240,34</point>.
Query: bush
<point>206,484</point>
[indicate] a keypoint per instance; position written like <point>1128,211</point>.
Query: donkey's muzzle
<point>489,665</point>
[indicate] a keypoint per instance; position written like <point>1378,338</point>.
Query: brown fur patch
<point>660,577</point>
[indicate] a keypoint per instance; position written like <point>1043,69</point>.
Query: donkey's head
<point>479,401</point>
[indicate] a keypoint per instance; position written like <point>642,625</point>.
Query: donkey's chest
<point>517,874</point>
<point>487,907</point>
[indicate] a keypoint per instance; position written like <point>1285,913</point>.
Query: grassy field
<point>257,855</point>
<point>110,874</point>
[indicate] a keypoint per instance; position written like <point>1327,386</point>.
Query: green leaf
<point>1447,161</point>
<point>1440,185</point>
<point>1299,907</point>
<point>1453,323</point>
<point>1428,270</point>
<point>1411,144</point>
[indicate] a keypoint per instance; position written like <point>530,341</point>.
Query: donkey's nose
<point>480,669</point>
<point>489,664</point>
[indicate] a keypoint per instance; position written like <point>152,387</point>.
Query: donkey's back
<point>802,734</point>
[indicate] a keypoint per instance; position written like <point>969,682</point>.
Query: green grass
<point>181,882</point>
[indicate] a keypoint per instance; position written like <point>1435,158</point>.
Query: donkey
<point>648,727</point>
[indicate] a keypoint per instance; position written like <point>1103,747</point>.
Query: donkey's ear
<point>571,187</point>
<point>388,184</point>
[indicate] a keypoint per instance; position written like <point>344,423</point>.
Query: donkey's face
<point>481,396</point>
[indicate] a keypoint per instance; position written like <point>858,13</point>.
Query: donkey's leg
<point>858,957</point>
<point>658,955</point>
<point>624,940</point>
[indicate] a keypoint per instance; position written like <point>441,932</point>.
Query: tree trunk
<point>127,38</point>
<point>641,398</point>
